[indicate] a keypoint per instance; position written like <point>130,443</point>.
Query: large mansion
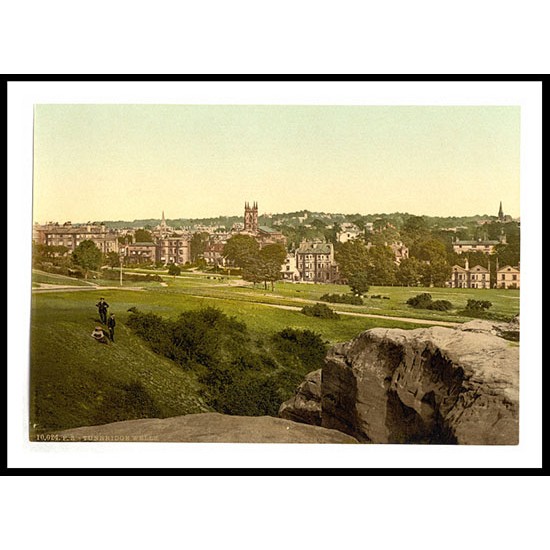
<point>464,277</point>
<point>70,236</point>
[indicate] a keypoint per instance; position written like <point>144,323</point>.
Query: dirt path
<point>45,288</point>
<point>373,316</point>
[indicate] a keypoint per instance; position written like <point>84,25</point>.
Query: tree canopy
<point>87,256</point>
<point>241,250</point>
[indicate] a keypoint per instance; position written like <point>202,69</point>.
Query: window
<point>514,277</point>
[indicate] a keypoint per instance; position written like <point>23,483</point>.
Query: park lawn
<point>505,302</point>
<point>55,279</point>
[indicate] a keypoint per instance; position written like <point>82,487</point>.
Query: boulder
<point>207,428</point>
<point>509,331</point>
<point>435,385</point>
<point>305,405</point>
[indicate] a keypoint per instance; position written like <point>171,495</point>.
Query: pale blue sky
<point>112,162</point>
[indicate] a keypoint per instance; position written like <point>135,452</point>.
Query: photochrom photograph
<point>341,274</point>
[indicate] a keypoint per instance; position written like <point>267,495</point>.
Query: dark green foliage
<point>478,305</point>
<point>112,259</point>
<point>239,375</point>
<point>143,236</point>
<point>359,282</point>
<point>441,305</point>
<point>479,309</point>
<point>306,345</point>
<point>420,300</point>
<point>342,299</point>
<point>174,269</point>
<point>320,310</point>
<point>424,301</point>
<point>87,256</point>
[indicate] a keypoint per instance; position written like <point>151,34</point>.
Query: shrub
<point>320,310</point>
<point>424,301</point>
<point>342,299</point>
<point>478,305</point>
<point>420,301</point>
<point>479,309</point>
<point>441,305</point>
<point>174,269</point>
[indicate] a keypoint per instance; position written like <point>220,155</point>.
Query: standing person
<point>102,307</point>
<point>111,326</point>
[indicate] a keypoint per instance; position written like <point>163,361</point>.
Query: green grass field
<point>76,381</point>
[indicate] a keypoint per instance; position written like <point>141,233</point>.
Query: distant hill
<point>303,216</point>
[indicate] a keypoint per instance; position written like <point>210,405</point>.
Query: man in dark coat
<point>111,326</point>
<point>102,307</point>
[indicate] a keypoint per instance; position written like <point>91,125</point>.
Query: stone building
<point>315,262</point>
<point>173,250</point>
<point>466,277</point>
<point>140,253</point>
<point>263,234</point>
<point>213,254</point>
<point>479,245</point>
<point>508,277</point>
<point>251,218</point>
<point>289,270</point>
<point>70,236</point>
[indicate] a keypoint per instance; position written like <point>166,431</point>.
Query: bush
<point>478,305</point>
<point>420,301</point>
<point>424,301</point>
<point>320,310</point>
<point>441,305</point>
<point>479,309</point>
<point>174,269</point>
<point>342,299</point>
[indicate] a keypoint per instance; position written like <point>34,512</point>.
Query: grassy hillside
<point>77,381</point>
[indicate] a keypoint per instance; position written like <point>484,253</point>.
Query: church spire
<point>500,212</point>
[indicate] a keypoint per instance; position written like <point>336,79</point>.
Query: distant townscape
<point>388,249</point>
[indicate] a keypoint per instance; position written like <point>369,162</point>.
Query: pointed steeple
<point>500,212</point>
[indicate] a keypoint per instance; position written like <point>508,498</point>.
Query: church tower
<point>500,213</point>
<point>251,217</point>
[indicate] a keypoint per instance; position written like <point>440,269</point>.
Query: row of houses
<point>311,262</point>
<point>479,277</point>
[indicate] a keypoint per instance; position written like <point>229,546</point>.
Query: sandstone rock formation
<point>305,406</point>
<point>434,385</point>
<point>207,428</point>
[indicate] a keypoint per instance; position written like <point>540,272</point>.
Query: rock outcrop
<point>305,405</point>
<point>207,428</point>
<point>434,385</point>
